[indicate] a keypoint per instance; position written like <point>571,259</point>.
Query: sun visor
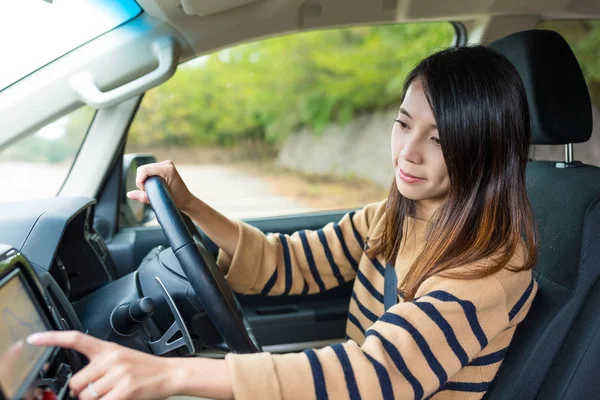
<point>208,7</point>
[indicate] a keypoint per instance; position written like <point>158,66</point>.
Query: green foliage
<point>264,90</point>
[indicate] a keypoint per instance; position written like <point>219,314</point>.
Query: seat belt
<point>390,287</point>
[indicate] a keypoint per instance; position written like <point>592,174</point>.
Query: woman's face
<point>419,165</point>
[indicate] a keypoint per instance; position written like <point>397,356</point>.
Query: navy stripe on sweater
<point>396,357</point>
<point>521,302</point>
<point>287,262</point>
<point>305,288</point>
<point>470,312</point>
<point>384,378</point>
<point>317,372</point>
<point>433,362</point>
<point>441,322</point>
<point>369,286</point>
<point>366,312</point>
<point>334,267</point>
<point>340,236</point>
<point>356,233</point>
<point>489,359</point>
<point>269,285</point>
<point>356,322</point>
<point>348,371</point>
<point>471,387</point>
<point>378,266</point>
<point>311,261</point>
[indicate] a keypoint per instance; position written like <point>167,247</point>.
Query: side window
<point>290,124</point>
<point>583,37</point>
<point>37,165</point>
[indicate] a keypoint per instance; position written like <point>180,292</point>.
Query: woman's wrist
<point>191,205</point>
<point>220,229</point>
<point>202,377</point>
<point>175,377</point>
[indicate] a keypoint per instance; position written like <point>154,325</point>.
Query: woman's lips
<point>408,178</point>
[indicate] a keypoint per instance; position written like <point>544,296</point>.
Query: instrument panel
<point>19,317</point>
<point>28,371</point>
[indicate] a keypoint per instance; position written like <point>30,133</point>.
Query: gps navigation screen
<point>18,319</point>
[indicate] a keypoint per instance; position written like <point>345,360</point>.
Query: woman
<point>457,227</point>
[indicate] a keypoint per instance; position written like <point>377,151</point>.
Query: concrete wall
<point>359,149</point>
<point>362,149</point>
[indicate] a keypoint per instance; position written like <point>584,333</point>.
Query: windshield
<point>37,165</point>
<point>36,32</point>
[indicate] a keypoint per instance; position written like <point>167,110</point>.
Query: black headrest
<point>559,102</point>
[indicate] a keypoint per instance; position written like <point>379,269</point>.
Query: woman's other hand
<point>118,373</point>
<point>114,371</point>
<point>180,193</point>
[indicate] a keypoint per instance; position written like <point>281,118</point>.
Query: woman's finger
<point>121,391</point>
<point>140,177</point>
<point>12,354</point>
<point>115,385</point>
<point>98,388</point>
<point>75,340</point>
<point>10,360</point>
<point>138,195</point>
<point>90,373</point>
<point>162,169</point>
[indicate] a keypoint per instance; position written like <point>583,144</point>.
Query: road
<point>235,193</point>
<point>231,191</point>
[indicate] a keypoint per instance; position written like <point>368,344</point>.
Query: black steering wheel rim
<point>201,270</point>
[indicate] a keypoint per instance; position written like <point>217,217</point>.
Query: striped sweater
<point>448,343</point>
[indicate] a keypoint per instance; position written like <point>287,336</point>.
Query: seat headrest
<point>559,101</point>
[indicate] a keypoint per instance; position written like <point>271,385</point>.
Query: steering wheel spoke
<point>201,270</point>
<point>163,345</point>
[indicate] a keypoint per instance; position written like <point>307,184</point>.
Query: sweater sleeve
<point>410,352</point>
<point>305,262</point>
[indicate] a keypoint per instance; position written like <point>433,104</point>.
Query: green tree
<point>265,90</point>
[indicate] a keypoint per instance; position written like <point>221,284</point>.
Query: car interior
<point>74,264</point>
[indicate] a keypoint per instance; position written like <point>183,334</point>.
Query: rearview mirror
<point>133,212</point>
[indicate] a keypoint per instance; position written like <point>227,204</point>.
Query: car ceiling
<point>212,24</point>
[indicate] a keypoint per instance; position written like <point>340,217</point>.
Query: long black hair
<point>480,107</point>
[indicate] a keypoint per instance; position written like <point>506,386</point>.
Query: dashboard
<point>82,263</point>
<point>152,308</point>
<point>63,258</point>
<point>57,236</point>
<point>58,239</point>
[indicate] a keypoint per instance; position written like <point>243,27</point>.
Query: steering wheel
<point>201,270</point>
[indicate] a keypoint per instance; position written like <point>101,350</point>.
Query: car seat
<point>555,353</point>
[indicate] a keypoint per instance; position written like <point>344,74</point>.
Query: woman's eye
<point>435,140</point>
<point>402,124</point>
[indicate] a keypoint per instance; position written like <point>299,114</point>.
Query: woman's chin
<point>408,191</point>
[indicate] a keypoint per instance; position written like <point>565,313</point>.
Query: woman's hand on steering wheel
<point>180,193</point>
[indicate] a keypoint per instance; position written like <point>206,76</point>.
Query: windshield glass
<point>37,165</point>
<point>36,32</point>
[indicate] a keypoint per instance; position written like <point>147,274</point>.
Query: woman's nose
<point>412,152</point>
